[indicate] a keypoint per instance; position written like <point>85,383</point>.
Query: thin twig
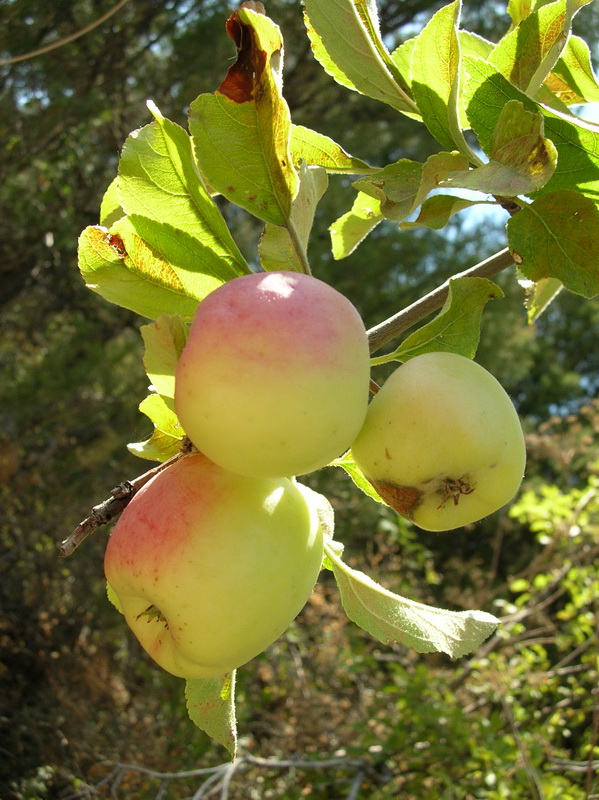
<point>71,38</point>
<point>385,331</point>
<point>111,507</point>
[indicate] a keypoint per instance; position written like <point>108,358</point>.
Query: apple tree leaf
<point>556,237</point>
<point>522,158</point>
<point>346,41</point>
<point>354,226</point>
<point>527,54</point>
<point>118,265</point>
<point>211,707</point>
<point>287,248</point>
<point>573,79</point>
<point>347,463</point>
<point>456,329</point>
<point>113,597</point>
<point>391,618</point>
<point>402,186</point>
<point>164,340</point>
<point>165,440</point>
<point>110,207</point>
<point>576,142</point>
<point>159,182</point>
<point>242,132</point>
<point>436,77</point>
<point>319,150</point>
<point>436,211</point>
<point>540,295</point>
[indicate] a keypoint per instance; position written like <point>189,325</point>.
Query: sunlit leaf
<point>242,132</point>
<point>347,463</point>
<point>287,248</point>
<point>527,54</point>
<point>391,618</point>
<point>573,79</point>
<point>436,211</point>
<point>456,329</point>
<point>540,295</point>
<point>119,266</point>
<point>211,707</point>
<point>346,41</point>
<point>158,180</point>
<point>522,159</point>
<point>436,77</point>
<point>402,186</point>
<point>165,440</point>
<point>352,228</point>
<point>110,208</point>
<point>164,340</point>
<point>319,150</point>
<point>556,237</point>
<point>576,141</point>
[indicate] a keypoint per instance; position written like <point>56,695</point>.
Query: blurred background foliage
<point>519,718</point>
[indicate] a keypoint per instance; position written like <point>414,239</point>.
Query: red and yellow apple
<point>210,568</point>
<point>274,377</point>
<point>442,443</point>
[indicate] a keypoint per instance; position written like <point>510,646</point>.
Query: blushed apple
<point>210,568</point>
<point>442,443</point>
<point>274,377</point>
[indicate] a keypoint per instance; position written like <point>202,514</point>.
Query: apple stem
<point>386,331</point>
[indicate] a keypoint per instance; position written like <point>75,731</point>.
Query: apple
<point>274,377</point>
<point>442,443</point>
<point>209,568</point>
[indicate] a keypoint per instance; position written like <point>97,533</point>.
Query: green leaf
<point>391,618</point>
<point>159,180</point>
<point>318,150</point>
<point>211,706</point>
<point>164,340</point>
<point>436,211</point>
<point>540,295</point>
<point>287,248</point>
<point>456,329</point>
<point>119,266</point>
<point>352,228</point>
<point>193,262</point>
<point>165,440</point>
<point>402,186</point>
<point>573,79</point>
<point>436,77</point>
<point>110,208</point>
<point>347,463</point>
<point>242,132</point>
<point>522,159</point>
<point>527,54</point>
<point>346,41</point>
<point>556,237</point>
<point>577,142</point>
<point>112,596</point>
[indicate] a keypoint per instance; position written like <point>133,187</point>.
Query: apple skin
<point>210,568</point>
<point>442,443</point>
<point>274,377</point>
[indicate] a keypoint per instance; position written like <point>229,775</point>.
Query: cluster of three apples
<point>215,556</point>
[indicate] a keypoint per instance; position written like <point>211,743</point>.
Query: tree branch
<point>71,38</point>
<point>111,507</point>
<point>380,334</point>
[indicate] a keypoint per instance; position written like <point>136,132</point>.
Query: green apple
<point>442,443</point>
<point>209,568</point>
<point>274,377</point>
